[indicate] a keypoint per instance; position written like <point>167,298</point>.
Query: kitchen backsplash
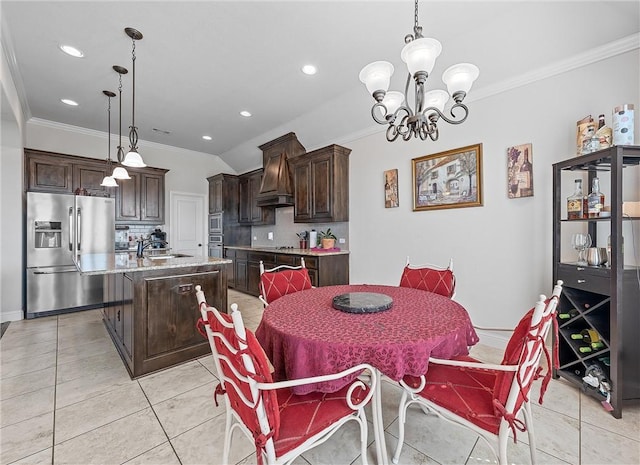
<point>284,231</point>
<point>137,230</point>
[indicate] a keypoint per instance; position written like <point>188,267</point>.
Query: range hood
<point>276,189</point>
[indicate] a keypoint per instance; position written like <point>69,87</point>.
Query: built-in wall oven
<point>215,223</point>
<point>216,245</point>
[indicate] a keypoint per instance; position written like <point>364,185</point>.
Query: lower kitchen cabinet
<point>152,315</point>
<point>326,270</point>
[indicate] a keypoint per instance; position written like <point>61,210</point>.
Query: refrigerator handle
<point>70,229</point>
<point>79,228</point>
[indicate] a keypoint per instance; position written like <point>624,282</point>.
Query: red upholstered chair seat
<point>429,279</point>
<point>302,417</point>
<point>279,283</point>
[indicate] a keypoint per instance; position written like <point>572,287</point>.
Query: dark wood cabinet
<point>138,200</point>
<point>599,300</point>
<point>152,315</point>
<point>326,270</point>
<point>141,198</point>
<point>249,211</point>
<point>216,193</point>
<point>321,185</point>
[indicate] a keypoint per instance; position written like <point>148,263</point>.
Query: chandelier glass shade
<point>108,180</point>
<point>133,158</point>
<point>421,119</point>
<point>120,172</point>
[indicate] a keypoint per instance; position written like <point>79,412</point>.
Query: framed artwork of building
<point>520,171</point>
<point>451,179</point>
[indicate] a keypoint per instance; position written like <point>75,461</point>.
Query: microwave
<point>215,223</point>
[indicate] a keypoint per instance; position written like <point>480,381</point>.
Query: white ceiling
<point>201,62</point>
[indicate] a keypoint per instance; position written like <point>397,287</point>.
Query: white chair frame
<point>233,420</point>
<point>497,443</point>
<point>273,270</point>
<point>435,267</point>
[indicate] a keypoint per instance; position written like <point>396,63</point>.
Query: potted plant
<point>303,239</point>
<point>328,239</point>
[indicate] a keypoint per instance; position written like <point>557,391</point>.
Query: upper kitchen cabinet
<point>223,196</point>
<point>63,174</point>
<point>249,211</point>
<point>321,185</point>
<point>141,198</point>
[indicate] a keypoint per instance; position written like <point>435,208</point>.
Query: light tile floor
<point>66,398</point>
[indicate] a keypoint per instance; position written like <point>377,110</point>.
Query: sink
<point>167,256</point>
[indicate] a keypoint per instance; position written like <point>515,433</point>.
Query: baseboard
<point>11,316</point>
<point>492,339</point>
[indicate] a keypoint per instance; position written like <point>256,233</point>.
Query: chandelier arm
<point>452,112</point>
<point>374,114</point>
<point>434,134</point>
<point>392,133</point>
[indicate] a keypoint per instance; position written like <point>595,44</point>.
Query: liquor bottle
<point>572,313</point>
<point>525,176</point>
<point>604,133</point>
<point>595,200</point>
<point>575,202</point>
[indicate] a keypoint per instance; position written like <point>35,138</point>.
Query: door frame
<point>173,195</point>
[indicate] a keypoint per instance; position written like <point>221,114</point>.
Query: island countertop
<point>308,252</point>
<point>110,263</point>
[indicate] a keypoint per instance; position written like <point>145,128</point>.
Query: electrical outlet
<point>255,238</point>
<point>342,241</point>
<point>270,235</point>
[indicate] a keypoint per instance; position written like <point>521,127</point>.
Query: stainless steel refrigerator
<point>60,227</point>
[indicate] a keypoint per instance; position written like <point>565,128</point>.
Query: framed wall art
<point>451,179</point>
<point>391,189</point>
<point>520,171</point>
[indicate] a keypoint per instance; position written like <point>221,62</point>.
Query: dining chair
<point>489,398</point>
<point>281,424</point>
<point>282,280</point>
<point>430,278</point>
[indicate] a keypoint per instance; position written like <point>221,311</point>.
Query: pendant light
<point>120,172</point>
<point>133,158</point>
<point>108,180</point>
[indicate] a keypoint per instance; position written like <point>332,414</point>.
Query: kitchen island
<point>326,267</point>
<point>150,309</point>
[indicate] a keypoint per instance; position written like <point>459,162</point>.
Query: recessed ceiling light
<point>245,113</point>
<point>309,69</point>
<point>206,137</point>
<point>69,50</point>
<point>67,101</point>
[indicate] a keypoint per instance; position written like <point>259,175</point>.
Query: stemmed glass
<point>581,242</point>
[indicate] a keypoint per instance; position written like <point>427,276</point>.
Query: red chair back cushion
<point>279,283</point>
<point>254,350</point>
<point>428,279</point>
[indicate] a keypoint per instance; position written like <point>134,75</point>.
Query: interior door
<point>187,230</point>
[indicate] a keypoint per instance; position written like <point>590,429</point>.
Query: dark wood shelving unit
<point>607,298</point>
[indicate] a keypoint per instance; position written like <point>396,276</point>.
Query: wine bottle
<point>525,176</point>
<point>595,200</point>
<point>585,349</point>
<point>575,202</point>
<point>568,314</point>
<point>587,335</point>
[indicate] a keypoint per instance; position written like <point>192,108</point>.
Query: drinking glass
<point>581,242</point>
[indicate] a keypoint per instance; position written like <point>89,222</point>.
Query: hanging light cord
<point>133,133</point>
<point>120,150</point>
<point>109,138</point>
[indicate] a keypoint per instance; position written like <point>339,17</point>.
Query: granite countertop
<point>109,263</point>
<point>307,252</point>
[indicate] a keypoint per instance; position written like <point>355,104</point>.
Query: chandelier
<point>133,158</point>
<point>120,172</point>
<point>391,108</point>
<point>108,180</point>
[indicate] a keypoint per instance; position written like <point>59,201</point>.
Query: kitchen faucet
<point>142,245</point>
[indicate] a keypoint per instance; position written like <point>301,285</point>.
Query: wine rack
<point>599,300</point>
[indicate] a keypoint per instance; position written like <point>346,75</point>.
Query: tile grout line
<point>55,393</point>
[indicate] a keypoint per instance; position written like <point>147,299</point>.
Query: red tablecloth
<point>303,335</point>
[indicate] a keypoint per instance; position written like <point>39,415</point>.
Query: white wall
<point>502,250</point>
<point>11,234</point>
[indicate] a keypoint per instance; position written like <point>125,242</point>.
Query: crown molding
<point>103,135</point>
<point>12,63</point>
<point>603,52</point>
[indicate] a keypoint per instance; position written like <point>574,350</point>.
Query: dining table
<point>325,330</point>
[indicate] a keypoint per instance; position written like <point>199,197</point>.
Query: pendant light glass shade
<point>108,181</point>
<point>376,76</point>
<point>392,101</point>
<point>120,173</point>
<point>133,160</point>
<point>421,54</point>
<point>460,77</point>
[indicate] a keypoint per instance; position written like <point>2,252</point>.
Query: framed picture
<point>451,179</point>
<point>520,171</point>
<point>391,189</point>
